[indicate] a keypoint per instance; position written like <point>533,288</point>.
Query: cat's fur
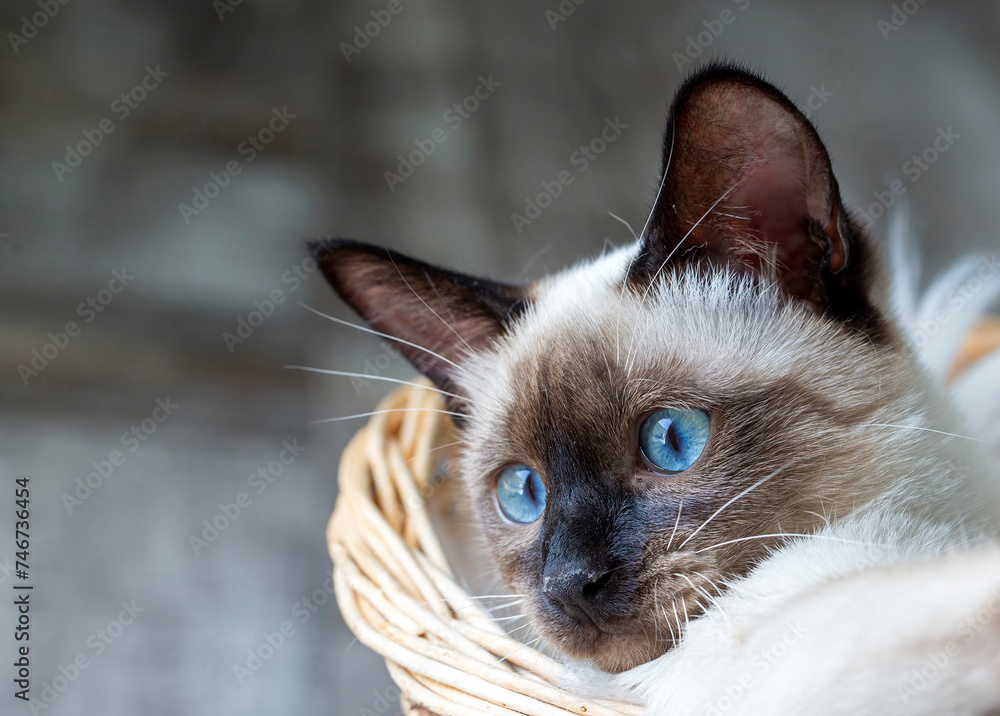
<point>834,511</point>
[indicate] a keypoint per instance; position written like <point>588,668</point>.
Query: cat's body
<point>826,499</point>
<point>838,630</point>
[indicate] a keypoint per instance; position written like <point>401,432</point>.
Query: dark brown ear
<point>437,316</point>
<point>747,182</point>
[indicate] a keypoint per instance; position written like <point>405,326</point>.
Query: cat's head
<point>638,428</point>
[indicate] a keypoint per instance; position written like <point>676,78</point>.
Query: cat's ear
<point>747,181</point>
<point>438,316</point>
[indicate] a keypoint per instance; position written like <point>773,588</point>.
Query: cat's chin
<point>616,653</point>
<point>609,651</point>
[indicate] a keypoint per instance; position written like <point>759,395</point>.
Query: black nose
<point>582,593</point>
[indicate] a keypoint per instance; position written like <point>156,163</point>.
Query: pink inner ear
<point>785,190</point>
<point>750,181</point>
<point>438,315</point>
<point>774,192</point>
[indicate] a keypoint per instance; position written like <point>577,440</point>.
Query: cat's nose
<point>580,592</point>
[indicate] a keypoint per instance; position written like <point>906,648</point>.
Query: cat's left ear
<point>747,182</point>
<point>438,317</point>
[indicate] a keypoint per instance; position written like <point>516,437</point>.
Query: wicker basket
<point>397,591</point>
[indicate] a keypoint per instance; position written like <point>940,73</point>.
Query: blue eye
<point>521,493</point>
<point>672,439</point>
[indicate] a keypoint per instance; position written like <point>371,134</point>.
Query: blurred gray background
<point>879,96</point>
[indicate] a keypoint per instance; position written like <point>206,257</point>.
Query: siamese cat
<point>711,460</point>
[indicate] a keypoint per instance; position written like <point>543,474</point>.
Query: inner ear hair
<point>437,316</point>
<point>747,183</point>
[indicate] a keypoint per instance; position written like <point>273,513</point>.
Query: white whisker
<point>499,596</point>
<point>439,447</point>
<point>715,514</point>
<point>383,378</point>
<point>711,600</point>
<point>513,651</point>
<point>642,235</point>
<point>669,256</point>
<point>506,606</point>
<point>510,618</point>
<point>663,180</point>
<point>656,607</point>
<point>917,427</point>
<point>366,329</point>
<point>618,317</point>
<point>716,586</point>
<point>787,534</point>
<point>627,225</point>
<point>391,410</point>
<point>825,519</point>
<point>666,618</point>
<point>420,298</point>
<point>676,522</point>
<point>467,606</point>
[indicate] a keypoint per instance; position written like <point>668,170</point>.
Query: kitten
<point>710,460</point>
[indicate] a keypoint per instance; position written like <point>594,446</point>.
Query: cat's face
<point>640,428</point>
<point>625,551</point>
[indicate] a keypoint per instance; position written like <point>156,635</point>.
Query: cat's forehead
<point>595,310</point>
<point>568,311</point>
<point>591,337</point>
<point>585,289</point>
